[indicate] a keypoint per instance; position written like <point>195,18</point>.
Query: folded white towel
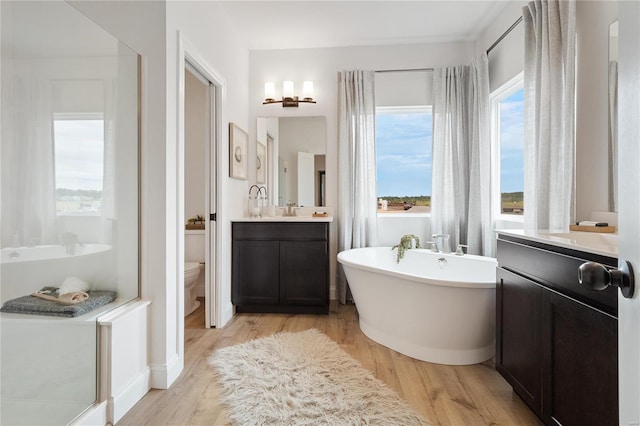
<point>73,285</point>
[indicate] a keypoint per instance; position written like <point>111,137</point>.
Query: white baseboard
<point>94,416</point>
<point>163,375</point>
<point>119,404</point>
<point>227,314</point>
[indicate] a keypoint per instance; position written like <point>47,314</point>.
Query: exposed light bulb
<point>287,89</point>
<point>307,90</point>
<point>269,90</point>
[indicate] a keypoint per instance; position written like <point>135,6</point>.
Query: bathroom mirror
<point>295,152</point>
<point>613,116</point>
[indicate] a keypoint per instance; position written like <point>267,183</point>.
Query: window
<point>403,159</point>
<point>79,158</point>
<point>507,108</point>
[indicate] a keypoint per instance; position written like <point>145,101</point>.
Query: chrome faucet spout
<point>443,246</point>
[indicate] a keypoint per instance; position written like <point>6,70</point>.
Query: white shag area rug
<point>304,378</point>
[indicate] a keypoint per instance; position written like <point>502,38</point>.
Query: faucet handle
<point>459,251</point>
<point>433,246</point>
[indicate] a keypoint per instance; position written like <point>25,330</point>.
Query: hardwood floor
<point>445,395</point>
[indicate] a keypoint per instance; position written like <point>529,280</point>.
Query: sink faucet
<point>260,192</point>
<point>257,190</point>
<point>443,247</point>
<point>255,208</point>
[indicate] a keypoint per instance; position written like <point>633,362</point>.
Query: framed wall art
<point>238,159</point>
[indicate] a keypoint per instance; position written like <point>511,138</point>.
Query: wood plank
<point>445,395</point>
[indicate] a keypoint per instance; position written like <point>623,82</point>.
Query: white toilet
<point>194,263</point>
<point>191,274</point>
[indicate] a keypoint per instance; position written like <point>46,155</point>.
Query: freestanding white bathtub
<point>431,306</point>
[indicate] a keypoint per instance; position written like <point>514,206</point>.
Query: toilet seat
<point>191,267</point>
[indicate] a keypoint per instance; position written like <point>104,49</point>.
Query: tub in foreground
<point>431,306</point>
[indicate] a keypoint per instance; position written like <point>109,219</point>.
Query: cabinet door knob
<point>596,276</point>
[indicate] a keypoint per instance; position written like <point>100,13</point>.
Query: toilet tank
<point>194,245</point>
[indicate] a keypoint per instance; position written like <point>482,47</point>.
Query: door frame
<point>187,52</point>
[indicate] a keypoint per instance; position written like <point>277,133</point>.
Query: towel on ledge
<point>69,298</point>
<point>37,306</point>
<point>73,285</point>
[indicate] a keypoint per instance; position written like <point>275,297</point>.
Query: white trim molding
<point>124,370</point>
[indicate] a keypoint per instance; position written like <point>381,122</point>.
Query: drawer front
<point>280,231</point>
<point>558,271</point>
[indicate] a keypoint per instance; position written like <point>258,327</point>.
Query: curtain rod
<point>506,33</point>
<point>406,70</point>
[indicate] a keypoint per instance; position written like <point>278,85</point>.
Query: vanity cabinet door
<point>580,363</point>
<point>518,336</point>
<point>255,273</point>
<point>303,272</point>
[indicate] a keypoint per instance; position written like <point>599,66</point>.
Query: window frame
<point>405,109</point>
<point>507,89</point>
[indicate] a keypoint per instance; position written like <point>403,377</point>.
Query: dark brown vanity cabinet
<point>280,267</point>
<point>556,341</point>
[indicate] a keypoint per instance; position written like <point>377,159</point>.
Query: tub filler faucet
<point>443,247</point>
<point>69,240</point>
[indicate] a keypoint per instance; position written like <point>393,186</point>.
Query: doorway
<point>200,194</point>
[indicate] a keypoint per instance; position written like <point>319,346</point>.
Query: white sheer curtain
<point>357,215</point>
<point>461,194</point>
<point>28,180</point>
<point>549,99</point>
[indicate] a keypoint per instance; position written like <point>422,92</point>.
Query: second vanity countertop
<point>590,242</point>
<point>267,219</point>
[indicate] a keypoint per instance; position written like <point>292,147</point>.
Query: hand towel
<point>73,285</point>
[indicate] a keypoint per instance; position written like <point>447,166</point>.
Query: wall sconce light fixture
<point>288,98</point>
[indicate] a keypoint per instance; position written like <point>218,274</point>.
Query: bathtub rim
<point>100,249</point>
<point>420,278</point>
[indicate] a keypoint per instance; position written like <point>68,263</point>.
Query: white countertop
<point>590,242</point>
<point>284,219</point>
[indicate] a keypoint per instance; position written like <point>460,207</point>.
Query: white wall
<point>506,59</point>
<point>413,88</point>
<point>194,146</point>
<point>322,67</point>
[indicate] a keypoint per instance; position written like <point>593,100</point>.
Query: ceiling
<point>68,32</point>
<point>308,24</point>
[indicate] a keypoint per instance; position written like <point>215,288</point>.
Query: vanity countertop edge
<point>276,219</point>
<point>599,244</point>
